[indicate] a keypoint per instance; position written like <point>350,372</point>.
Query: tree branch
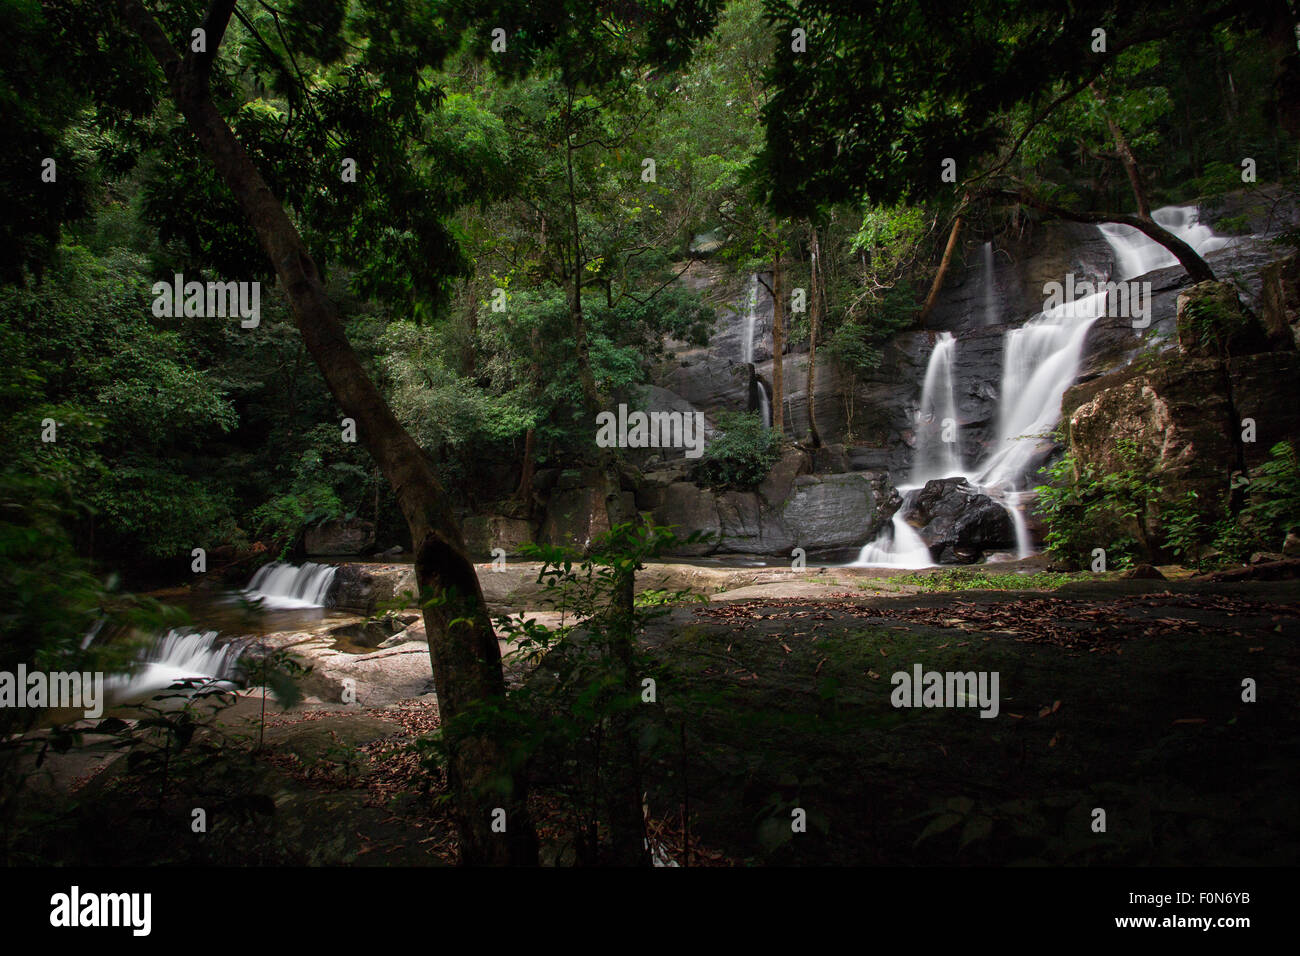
<point>1196,267</point>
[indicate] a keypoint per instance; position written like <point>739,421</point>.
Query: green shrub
<point>1087,508</point>
<point>1274,496</point>
<point>741,454</point>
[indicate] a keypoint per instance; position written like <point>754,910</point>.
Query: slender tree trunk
<point>778,341</point>
<point>622,798</point>
<point>1125,153</point>
<point>814,318</point>
<point>1130,163</point>
<point>937,284</point>
<point>465,655</point>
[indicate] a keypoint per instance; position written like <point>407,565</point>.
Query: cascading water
<point>180,662</point>
<point>751,320</point>
<point>937,449</point>
<point>1136,255</point>
<point>898,547</point>
<point>764,403</point>
<point>990,290</point>
<point>279,586</point>
<point>1040,361</point>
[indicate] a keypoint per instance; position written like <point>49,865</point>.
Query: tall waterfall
<point>988,285</point>
<point>751,319</point>
<point>1040,361</point>
<point>937,450</point>
<point>281,586</point>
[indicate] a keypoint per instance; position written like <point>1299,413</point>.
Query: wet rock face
<point>958,522</point>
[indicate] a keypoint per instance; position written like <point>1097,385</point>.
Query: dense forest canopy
<point>470,220</point>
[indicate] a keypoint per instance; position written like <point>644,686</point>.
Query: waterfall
<point>990,291</point>
<point>938,454</point>
<point>751,318</point>
<point>1136,255</point>
<point>1014,504</point>
<point>1040,361</point>
<point>182,662</point>
<point>764,402</point>
<point>280,586</point>
<point>899,546</point>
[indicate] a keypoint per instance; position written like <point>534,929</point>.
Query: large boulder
<point>1264,389</point>
<point>340,537</point>
<point>827,512</point>
<point>361,588</point>
<point>958,522</point>
<point>1177,414</point>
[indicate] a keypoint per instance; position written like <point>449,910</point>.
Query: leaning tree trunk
<point>937,284</point>
<point>465,656</point>
<point>1126,157</point>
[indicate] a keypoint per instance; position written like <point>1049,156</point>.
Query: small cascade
<point>938,454</point>
<point>764,402</point>
<point>987,283</point>
<point>281,586</point>
<point>1136,255</point>
<point>751,320</point>
<point>899,546</point>
<point>1014,503</point>
<point>179,662</point>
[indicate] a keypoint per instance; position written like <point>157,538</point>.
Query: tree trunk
<point>1131,168</point>
<point>466,658</point>
<point>814,317</point>
<point>778,342</point>
<point>1125,153</point>
<point>1196,267</point>
<point>623,795</point>
<point>937,284</point>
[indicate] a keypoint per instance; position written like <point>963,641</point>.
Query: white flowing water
<point>1040,361</point>
<point>177,665</point>
<point>751,319</point>
<point>1136,255</point>
<point>937,449</point>
<point>990,290</point>
<point>278,585</point>
<point>899,546</point>
<point>764,403</point>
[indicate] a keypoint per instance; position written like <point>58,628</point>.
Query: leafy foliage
<point>741,454</point>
